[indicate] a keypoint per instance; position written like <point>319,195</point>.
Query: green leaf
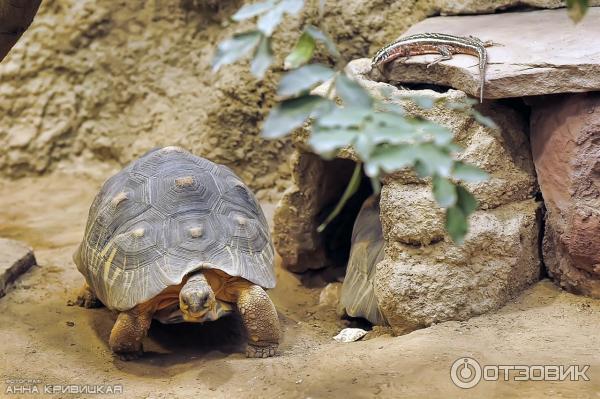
<point>469,173</point>
<point>424,102</point>
<point>233,49</point>
<point>252,10</point>
<point>343,116</point>
<point>293,7</point>
<point>322,37</point>
<point>577,9</point>
<point>462,105</point>
<point>456,224</point>
<point>484,120</point>
<point>390,108</point>
<point>263,57</point>
<point>391,119</point>
<point>440,134</point>
<point>351,92</point>
<point>269,21</point>
<point>466,201</point>
<point>397,133</point>
<point>302,52</point>
<point>389,158</point>
<point>303,79</point>
<point>324,141</point>
<point>351,188</point>
<point>290,114</point>
<point>376,185</point>
<point>444,192</point>
<point>434,159</point>
<point>364,146</point>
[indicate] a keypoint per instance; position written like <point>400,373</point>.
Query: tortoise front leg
<point>87,299</point>
<point>261,321</point>
<point>128,332</point>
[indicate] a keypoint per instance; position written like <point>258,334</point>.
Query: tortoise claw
<point>127,356</point>
<point>87,299</point>
<point>256,351</point>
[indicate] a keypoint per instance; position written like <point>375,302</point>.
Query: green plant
<point>384,138</point>
<point>577,9</point>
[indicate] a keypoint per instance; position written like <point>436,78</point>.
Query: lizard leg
<point>445,54</point>
<point>381,67</point>
<point>261,321</point>
<point>128,332</point>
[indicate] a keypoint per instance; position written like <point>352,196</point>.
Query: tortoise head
<point>197,299</point>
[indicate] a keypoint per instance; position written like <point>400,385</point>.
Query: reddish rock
<point>565,141</point>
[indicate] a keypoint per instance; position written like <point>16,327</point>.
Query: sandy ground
<point>44,340</point>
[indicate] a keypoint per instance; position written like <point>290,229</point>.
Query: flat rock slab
<point>15,259</point>
<point>537,52</point>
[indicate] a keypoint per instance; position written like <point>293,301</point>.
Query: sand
<point>44,340</point>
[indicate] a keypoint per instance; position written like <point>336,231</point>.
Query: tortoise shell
<point>164,216</point>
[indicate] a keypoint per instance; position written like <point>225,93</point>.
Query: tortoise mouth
<point>198,316</point>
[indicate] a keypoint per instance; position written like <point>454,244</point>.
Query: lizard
<point>435,43</point>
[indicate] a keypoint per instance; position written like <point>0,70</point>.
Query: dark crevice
<point>542,232</point>
<point>422,86</point>
<point>336,238</point>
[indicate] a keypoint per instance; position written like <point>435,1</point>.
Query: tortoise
<point>358,297</point>
<point>178,238</point>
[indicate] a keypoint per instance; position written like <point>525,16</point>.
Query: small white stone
<point>350,335</point>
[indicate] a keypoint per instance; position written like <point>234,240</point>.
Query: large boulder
<point>418,285</point>
<point>565,138</point>
<point>537,52</point>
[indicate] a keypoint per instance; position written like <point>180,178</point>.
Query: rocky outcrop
<point>424,277</point>
<point>100,80</point>
<point>106,81</point>
<point>453,7</point>
<point>417,286</point>
<point>15,259</point>
<point>565,138</point>
<point>545,55</point>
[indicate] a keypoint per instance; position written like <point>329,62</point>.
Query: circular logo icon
<point>465,372</point>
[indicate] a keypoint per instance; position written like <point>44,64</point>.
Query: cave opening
<point>336,238</point>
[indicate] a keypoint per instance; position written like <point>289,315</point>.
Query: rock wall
<point>106,80</point>
<point>565,133</point>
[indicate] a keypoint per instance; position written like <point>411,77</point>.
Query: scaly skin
<point>435,43</point>
<point>261,321</point>
<point>128,332</point>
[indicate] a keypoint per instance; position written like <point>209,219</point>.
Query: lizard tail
<point>481,87</point>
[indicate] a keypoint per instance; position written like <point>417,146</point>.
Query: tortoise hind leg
<point>128,332</point>
<point>87,299</point>
<point>260,319</point>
